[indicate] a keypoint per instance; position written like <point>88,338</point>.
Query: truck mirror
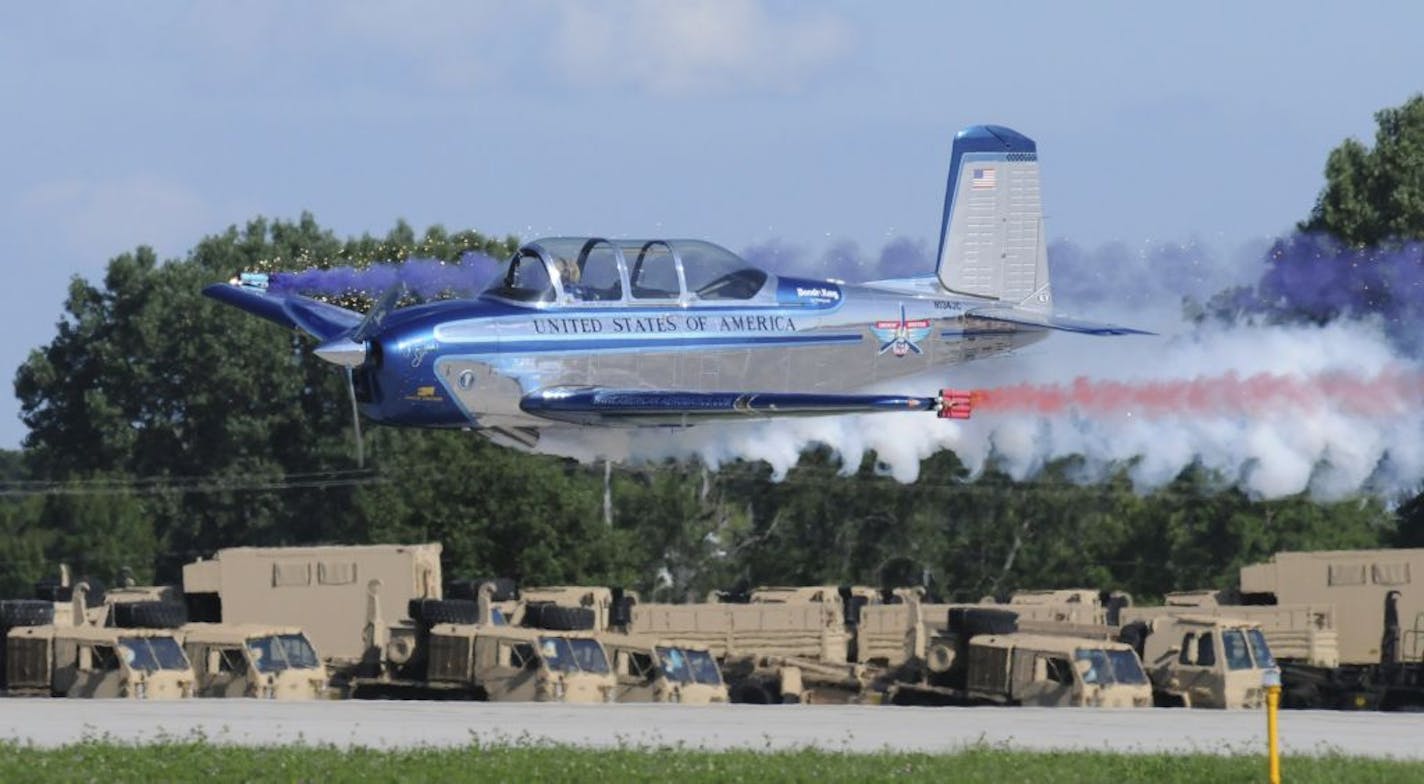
<point>1083,666</point>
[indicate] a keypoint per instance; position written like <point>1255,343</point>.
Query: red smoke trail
<point>1389,393</point>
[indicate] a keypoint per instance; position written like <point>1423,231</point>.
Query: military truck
<point>96,661</point>
<point>512,664</point>
<point>1376,610</point>
<point>982,658</point>
<point>252,660</point>
<point>334,593</point>
<point>652,670</point>
<point>1203,661</point>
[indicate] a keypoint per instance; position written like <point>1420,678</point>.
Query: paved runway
<point>851,728</point>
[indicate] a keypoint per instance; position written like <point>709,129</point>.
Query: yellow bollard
<point>1271,680</point>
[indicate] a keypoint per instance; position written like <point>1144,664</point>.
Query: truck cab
<point>511,664</point>
<point>251,660</point>
<point>1046,670</point>
<point>652,670</point>
<point>96,661</point>
<point>1205,661</point>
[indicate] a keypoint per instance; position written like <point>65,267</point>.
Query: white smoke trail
<point>1333,453</point>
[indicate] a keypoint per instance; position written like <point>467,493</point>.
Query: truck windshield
<point>153,653</point>
<point>1234,644</point>
<point>674,664</point>
<point>704,668</point>
<point>1126,668</point>
<point>277,652</point>
<point>563,654</point>
<point>1260,651</point>
<point>1099,669</point>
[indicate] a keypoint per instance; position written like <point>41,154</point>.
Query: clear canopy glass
<point>597,270</point>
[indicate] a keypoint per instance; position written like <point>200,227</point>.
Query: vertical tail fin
<point>991,241</point>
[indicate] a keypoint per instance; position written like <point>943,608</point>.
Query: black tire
<point>974,621</point>
<point>757,691</point>
<point>429,612</point>
<point>547,615</point>
<point>1135,634</point>
<point>620,615</point>
<point>51,591</point>
<point>505,589</point>
<point>25,612</point>
<point>148,615</point>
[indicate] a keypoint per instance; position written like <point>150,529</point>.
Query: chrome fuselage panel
<point>468,363</point>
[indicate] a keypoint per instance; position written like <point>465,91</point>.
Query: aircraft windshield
<point>526,279</point>
<point>593,269</point>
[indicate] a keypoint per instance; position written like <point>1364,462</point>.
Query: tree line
<point>163,426</point>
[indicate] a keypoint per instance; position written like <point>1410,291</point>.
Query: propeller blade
<point>356,420</point>
<point>377,314</point>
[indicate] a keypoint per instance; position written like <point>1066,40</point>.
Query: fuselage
<point>468,363</point>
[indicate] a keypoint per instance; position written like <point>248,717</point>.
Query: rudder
<point>991,236</point>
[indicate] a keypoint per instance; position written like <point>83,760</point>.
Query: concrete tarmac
<point>381,724</point>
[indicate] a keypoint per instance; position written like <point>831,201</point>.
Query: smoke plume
<point>1282,386</point>
<point>427,278</point>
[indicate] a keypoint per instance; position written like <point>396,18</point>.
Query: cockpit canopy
<point>597,270</point>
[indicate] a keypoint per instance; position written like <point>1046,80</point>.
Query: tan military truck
<point>96,661</point>
<point>1377,611</point>
<point>652,670</point>
<point>252,660</point>
<point>334,593</point>
<point>511,664</point>
<point>1296,632</point>
<point>980,657</point>
<point>1204,661</point>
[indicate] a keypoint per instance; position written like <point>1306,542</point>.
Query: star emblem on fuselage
<point>902,336</point>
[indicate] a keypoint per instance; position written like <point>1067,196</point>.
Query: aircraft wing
<point>601,405</point>
<point>318,319</point>
<point>1049,321</point>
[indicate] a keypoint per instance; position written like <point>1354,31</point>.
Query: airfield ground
<point>409,725</point>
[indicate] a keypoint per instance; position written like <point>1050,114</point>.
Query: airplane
<point>591,331</point>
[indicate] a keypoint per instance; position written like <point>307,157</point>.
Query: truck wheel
<point>429,612</point>
<point>25,612</point>
<point>148,615</point>
<point>547,615</point>
<point>757,691</point>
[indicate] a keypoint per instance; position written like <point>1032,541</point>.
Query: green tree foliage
<point>1376,194</point>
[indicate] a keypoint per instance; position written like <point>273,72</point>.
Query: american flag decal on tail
<point>983,179</point>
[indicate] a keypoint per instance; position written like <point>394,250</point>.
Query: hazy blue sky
<point>736,120</point>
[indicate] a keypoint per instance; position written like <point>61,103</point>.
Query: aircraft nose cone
<point>343,351</point>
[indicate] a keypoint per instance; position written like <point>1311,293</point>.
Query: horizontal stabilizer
<point>597,405</point>
<point>1049,321</point>
<point>318,319</point>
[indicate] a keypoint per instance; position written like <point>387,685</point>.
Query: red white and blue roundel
<point>902,336</point>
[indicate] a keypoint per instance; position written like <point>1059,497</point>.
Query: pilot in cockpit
<point>569,275</point>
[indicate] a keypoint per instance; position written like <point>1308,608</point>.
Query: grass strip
<point>197,760</point>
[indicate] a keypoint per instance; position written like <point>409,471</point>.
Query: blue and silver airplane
<point>588,331</point>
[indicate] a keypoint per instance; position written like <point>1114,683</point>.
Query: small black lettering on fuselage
<point>758,324</point>
<point>568,326</point>
<point>643,324</point>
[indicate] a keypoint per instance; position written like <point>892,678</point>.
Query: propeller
<point>351,350</point>
<point>356,419</point>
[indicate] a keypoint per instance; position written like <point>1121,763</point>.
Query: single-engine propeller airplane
<point>593,331</point>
